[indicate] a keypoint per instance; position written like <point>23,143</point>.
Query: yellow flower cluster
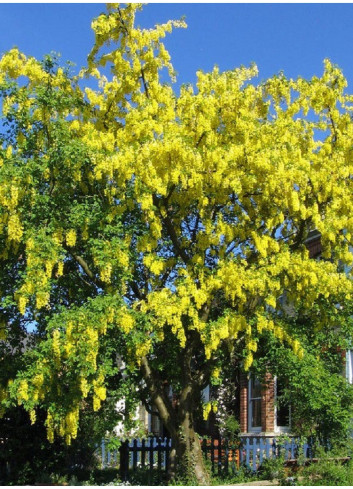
<point>71,238</point>
<point>71,424</point>
<point>99,392</point>
<point>60,269</point>
<point>22,391</point>
<point>32,416</point>
<point>208,407</point>
<point>39,270</point>
<point>42,299</point>
<point>154,264</point>
<point>66,427</point>
<point>2,330</point>
<point>106,273</point>
<point>126,321</point>
<point>22,304</point>
<point>37,384</point>
<point>3,396</point>
<point>14,228</point>
<point>84,387</point>
<point>50,427</point>
<point>216,373</point>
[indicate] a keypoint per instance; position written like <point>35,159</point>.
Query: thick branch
<point>136,290</point>
<point>159,398</point>
<point>84,265</point>
<point>145,86</point>
<point>301,235</point>
<point>333,126</point>
<point>172,233</point>
<point>196,228</point>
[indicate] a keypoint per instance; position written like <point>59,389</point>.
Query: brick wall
<point>243,403</point>
<point>267,404</point>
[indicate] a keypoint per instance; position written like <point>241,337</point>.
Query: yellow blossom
<point>71,238</point>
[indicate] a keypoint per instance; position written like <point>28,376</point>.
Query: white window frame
<point>252,429</point>
<point>349,366</point>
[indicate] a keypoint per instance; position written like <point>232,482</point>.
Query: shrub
<point>328,473</point>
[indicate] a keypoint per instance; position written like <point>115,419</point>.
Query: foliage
<point>229,428</point>
<point>242,475</point>
<point>327,472</point>
<point>147,234</point>
<point>321,398</point>
<point>27,457</point>
<point>273,468</point>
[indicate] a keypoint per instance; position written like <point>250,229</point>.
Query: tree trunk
<point>190,459</point>
<point>186,459</point>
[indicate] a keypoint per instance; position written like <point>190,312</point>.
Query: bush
<point>272,468</point>
<point>328,473</point>
<point>244,474</point>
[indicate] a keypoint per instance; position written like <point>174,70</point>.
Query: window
<point>154,424</point>
<point>282,409</point>
<point>254,419</point>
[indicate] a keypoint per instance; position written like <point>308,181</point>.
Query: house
<point>259,411</point>
<point>256,402</point>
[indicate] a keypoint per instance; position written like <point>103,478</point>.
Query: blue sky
<point>294,38</point>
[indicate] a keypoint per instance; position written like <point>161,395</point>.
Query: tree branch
<point>172,233</point>
<point>159,398</point>
<point>145,86</point>
<point>85,267</point>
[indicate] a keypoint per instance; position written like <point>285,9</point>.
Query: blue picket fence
<point>254,450</point>
<point>153,453</point>
<point>149,452</point>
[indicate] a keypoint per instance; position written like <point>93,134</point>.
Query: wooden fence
<point>153,453</point>
<point>254,450</point>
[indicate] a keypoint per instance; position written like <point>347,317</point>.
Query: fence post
<point>159,453</point>
<point>268,447</point>
<point>262,449</point>
<point>151,447</point>
<point>226,460</point>
<point>134,454</point>
<point>143,453</point>
<point>310,447</point>
<point>212,453</point>
<point>103,453</point>
<point>241,451</point>
<point>293,448</point>
<point>274,448</point>
<point>124,460</point>
<point>219,456</point>
<point>254,454</point>
<point>168,447</point>
<point>247,451</point>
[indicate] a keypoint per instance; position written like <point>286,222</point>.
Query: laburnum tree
<point>148,232</point>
